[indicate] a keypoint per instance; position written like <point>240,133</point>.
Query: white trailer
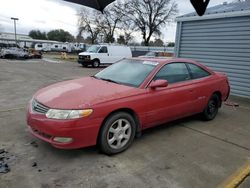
<point>44,47</point>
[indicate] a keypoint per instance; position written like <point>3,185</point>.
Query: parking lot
<point>182,154</point>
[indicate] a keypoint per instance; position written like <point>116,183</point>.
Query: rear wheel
<point>95,64</point>
<point>212,108</point>
<point>117,134</point>
<point>9,56</point>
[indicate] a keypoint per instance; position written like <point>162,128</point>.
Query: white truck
<point>103,54</point>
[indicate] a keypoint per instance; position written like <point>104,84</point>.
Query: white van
<point>103,54</point>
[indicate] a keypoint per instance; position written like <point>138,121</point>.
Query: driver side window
<point>173,73</point>
<point>104,49</point>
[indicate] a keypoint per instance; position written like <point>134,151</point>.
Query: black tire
<point>115,140</point>
<point>212,108</point>
<point>9,56</point>
<point>95,63</point>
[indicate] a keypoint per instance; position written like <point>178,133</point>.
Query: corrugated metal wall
<point>221,44</point>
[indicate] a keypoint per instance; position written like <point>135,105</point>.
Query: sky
<point>46,15</point>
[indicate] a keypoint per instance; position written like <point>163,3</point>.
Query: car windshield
<point>127,72</point>
<point>93,49</point>
<point>150,54</point>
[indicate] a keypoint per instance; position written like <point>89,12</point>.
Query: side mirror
<point>158,84</point>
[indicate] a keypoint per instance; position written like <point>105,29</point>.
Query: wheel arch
<point>218,93</point>
<point>96,59</point>
<point>127,110</point>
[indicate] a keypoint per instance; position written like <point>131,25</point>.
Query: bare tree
<point>149,16</point>
<point>95,22</point>
<point>110,21</point>
<point>128,36</point>
<point>128,29</point>
<point>87,23</point>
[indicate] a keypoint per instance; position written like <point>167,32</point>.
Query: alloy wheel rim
<point>119,134</point>
<point>212,108</point>
<point>96,64</point>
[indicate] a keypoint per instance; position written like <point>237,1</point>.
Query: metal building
<point>221,40</point>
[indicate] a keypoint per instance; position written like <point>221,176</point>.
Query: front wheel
<point>212,108</point>
<point>117,134</point>
<point>96,64</point>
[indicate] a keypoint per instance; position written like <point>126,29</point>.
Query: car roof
<point>165,60</point>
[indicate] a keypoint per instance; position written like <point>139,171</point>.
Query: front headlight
<point>68,114</point>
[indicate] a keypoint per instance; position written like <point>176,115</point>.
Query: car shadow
<point>161,127</point>
<point>93,151</point>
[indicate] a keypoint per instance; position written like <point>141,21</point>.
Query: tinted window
<point>174,72</point>
<point>103,50</point>
<point>197,72</point>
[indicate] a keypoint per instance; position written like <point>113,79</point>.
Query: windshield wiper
<point>105,79</point>
<point>109,80</point>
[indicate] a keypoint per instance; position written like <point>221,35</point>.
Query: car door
<point>103,55</point>
<point>174,101</point>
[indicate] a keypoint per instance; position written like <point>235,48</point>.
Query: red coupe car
<point>110,108</point>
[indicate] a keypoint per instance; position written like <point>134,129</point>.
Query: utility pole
<point>15,19</point>
<point>101,35</point>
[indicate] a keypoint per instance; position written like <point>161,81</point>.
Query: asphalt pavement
<point>188,153</point>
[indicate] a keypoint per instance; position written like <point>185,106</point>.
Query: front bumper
<point>84,62</point>
<point>84,131</point>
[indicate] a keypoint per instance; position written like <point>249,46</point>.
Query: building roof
<point>12,36</point>
<point>222,10</point>
<point>23,38</point>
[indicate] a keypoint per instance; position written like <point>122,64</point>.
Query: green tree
<point>37,34</point>
<point>171,44</point>
<point>121,39</point>
<point>60,35</point>
<point>158,42</point>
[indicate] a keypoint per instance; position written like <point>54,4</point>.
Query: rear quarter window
<point>197,72</point>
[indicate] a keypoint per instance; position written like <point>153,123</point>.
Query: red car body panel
<point>150,107</point>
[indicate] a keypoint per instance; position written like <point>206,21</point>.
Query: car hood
<point>81,93</point>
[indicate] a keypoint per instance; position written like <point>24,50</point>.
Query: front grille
<point>39,108</point>
<point>84,57</point>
